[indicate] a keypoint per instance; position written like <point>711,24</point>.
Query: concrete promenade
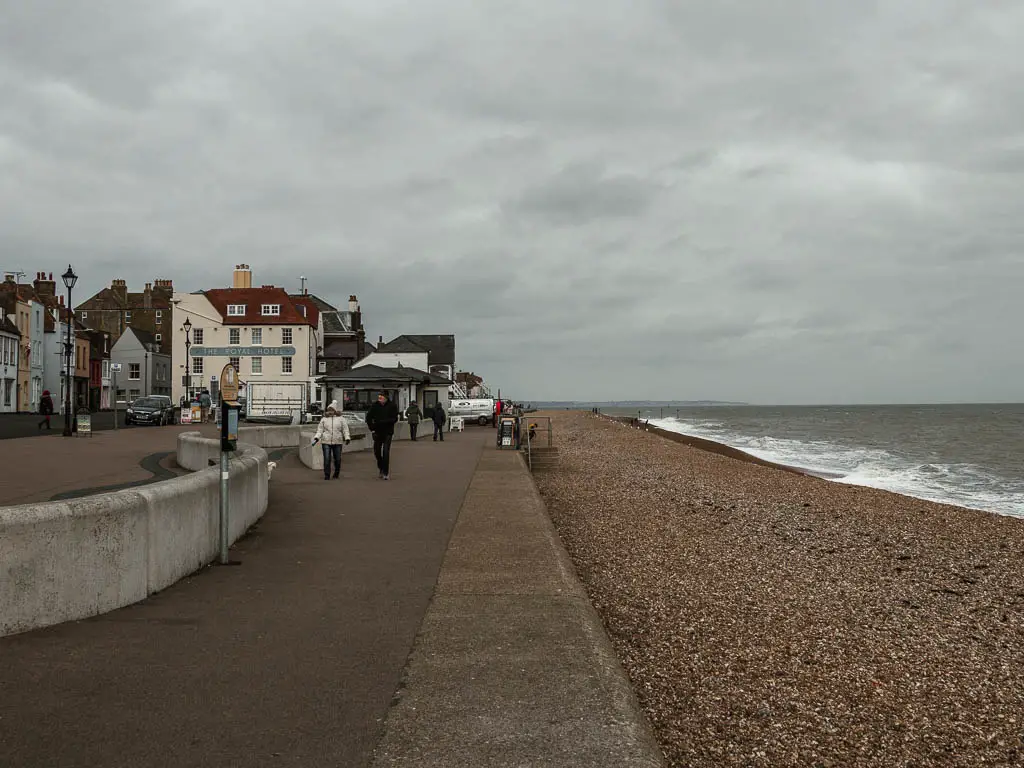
<point>434,618</point>
<point>47,466</point>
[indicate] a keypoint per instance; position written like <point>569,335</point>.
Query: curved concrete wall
<point>65,560</point>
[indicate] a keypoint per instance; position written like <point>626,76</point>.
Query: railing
<point>541,437</point>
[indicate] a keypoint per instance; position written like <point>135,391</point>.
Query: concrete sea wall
<point>67,560</point>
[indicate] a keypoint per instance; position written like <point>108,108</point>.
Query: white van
<point>480,410</point>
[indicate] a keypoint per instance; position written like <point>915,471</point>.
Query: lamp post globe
<point>69,278</point>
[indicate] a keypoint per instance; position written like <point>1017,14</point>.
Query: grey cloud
<point>582,193</point>
<point>775,202</point>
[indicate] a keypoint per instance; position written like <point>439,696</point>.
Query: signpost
<point>228,443</point>
<point>115,368</point>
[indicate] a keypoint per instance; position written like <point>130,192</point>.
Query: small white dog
<point>271,465</point>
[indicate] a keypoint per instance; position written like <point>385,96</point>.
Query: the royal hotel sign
<point>239,351</point>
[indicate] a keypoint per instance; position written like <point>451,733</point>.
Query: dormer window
<point>236,310</point>
<point>271,309</point>
<point>127,317</point>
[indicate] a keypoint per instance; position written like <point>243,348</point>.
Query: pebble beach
<point>770,618</point>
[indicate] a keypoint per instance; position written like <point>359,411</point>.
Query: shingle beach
<point>767,618</point>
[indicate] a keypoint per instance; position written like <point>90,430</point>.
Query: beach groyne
<point>766,617</point>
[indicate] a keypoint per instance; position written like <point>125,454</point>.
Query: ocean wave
<point>962,484</point>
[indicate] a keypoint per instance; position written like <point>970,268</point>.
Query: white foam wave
<point>965,485</point>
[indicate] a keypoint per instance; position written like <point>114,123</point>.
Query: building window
<point>321,366</point>
<point>236,310</point>
<point>234,336</point>
<point>257,365</point>
<point>257,336</point>
<point>127,317</point>
<point>197,335</point>
<point>235,363</point>
<point>8,390</point>
<point>286,335</point>
<point>134,371</point>
<point>362,399</point>
<point>106,369</point>
<point>120,395</point>
<point>197,365</point>
<point>85,316</point>
<point>286,365</point>
<point>159,337</point>
<point>302,309</point>
<point>134,394</point>
<point>159,317</point>
<point>271,309</point>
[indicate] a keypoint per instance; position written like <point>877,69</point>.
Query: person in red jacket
<point>45,409</point>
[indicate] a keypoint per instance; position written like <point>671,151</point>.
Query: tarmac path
<point>290,659</point>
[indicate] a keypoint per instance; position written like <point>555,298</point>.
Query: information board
<point>84,422</point>
<point>506,432</point>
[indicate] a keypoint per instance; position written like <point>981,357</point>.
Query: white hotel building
<point>261,331</point>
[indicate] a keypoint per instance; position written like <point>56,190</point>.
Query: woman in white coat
<point>331,432</point>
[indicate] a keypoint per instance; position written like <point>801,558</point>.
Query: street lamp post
<point>187,327</point>
<point>69,278</point>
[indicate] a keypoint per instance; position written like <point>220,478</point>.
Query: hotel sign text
<point>238,351</point>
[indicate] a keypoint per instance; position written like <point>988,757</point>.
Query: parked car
<point>153,409</point>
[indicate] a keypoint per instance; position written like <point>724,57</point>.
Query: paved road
<point>290,659</point>
<point>14,425</point>
<point>39,469</point>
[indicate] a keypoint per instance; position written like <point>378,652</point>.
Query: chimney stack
<point>353,303</point>
<point>243,276</point>
<point>45,288</point>
<point>147,296</point>
<point>120,289</point>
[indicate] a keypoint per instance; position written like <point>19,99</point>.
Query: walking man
<point>331,433</point>
<point>381,420</point>
<point>45,409</point>
<point>412,413</point>
<point>439,419</point>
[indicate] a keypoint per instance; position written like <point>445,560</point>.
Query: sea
<point>968,455</point>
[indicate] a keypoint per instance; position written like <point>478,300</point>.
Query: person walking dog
<point>440,417</point>
<point>412,413</point>
<point>381,420</point>
<point>331,433</point>
<point>45,409</point>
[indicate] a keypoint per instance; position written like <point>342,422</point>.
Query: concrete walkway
<point>327,632</point>
<point>43,468</point>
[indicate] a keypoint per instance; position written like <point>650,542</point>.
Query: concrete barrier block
<point>71,559</point>
<point>183,526</point>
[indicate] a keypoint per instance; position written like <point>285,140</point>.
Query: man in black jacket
<point>439,419</point>
<point>381,420</point>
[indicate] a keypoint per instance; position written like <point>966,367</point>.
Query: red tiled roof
<point>254,299</point>
<point>312,310</point>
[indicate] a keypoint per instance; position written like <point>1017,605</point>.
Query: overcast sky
<point>780,201</point>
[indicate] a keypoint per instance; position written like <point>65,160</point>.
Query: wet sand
<point>767,617</point>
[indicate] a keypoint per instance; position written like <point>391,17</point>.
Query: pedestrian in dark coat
<point>440,417</point>
<point>412,413</point>
<point>45,409</point>
<point>381,420</point>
